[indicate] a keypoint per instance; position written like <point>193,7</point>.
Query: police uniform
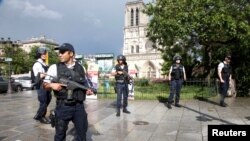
<point>177,76</point>
<point>69,111</point>
<point>121,87</point>
<point>44,96</point>
<point>225,74</point>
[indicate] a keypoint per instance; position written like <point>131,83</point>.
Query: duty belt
<point>120,81</point>
<point>67,102</point>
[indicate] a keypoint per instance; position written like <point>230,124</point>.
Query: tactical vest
<point>120,77</point>
<point>177,72</point>
<point>35,79</point>
<point>76,74</point>
<point>226,71</point>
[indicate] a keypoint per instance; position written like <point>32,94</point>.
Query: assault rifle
<point>127,77</point>
<point>72,85</point>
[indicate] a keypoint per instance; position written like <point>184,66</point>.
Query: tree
<point>202,29</point>
<point>19,58</point>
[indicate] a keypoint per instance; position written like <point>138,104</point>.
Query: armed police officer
<point>69,104</point>
<point>122,79</point>
<point>176,77</point>
<point>37,76</point>
<point>224,73</point>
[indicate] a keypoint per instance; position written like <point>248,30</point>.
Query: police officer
<point>122,80</point>
<point>224,73</point>
<point>176,77</point>
<point>44,96</point>
<point>66,110</point>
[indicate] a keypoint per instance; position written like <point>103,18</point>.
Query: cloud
<point>39,11</point>
<point>91,19</point>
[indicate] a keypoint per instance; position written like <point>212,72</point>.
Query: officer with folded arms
<point>68,109</point>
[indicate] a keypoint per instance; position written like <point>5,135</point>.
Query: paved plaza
<point>149,120</point>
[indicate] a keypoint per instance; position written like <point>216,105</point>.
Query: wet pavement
<point>149,120</point>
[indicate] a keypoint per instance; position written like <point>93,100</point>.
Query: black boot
<point>177,105</point>
<point>36,117</point>
<point>126,111</point>
<point>169,105</point>
<point>44,120</point>
<point>118,113</point>
<point>223,104</point>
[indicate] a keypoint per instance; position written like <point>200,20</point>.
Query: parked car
<point>14,85</point>
<point>26,82</point>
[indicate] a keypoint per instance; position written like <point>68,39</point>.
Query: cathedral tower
<point>142,58</point>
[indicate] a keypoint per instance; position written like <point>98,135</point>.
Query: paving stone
<point>188,123</point>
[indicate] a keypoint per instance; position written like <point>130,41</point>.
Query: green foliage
<point>202,29</point>
<point>19,59</point>
<point>142,82</point>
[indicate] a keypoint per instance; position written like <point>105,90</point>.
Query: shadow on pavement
<point>162,99</point>
<point>207,100</point>
<point>205,117</point>
<point>248,118</point>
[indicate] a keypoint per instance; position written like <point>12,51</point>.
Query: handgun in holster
<point>52,117</point>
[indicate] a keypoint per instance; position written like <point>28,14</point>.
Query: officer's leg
<point>125,96</point>
<point>172,91</point>
<point>48,95</point>
<point>61,128</point>
<point>63,116</point>
<point>42,103</point>
<point>223,93</point>
<point>80,122</point>
<point>47,99</point>
<point>119,98</point>
<point>125,99</point>
<point>178,90</point>
<point>47,104</point>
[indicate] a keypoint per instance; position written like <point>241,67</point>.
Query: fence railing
<point>192,88</point>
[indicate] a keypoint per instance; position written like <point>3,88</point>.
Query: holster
<point>52,117</point>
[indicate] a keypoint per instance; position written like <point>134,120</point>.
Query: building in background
<point>144,61</point>
<point>7,43</point>
<point>39,41</point>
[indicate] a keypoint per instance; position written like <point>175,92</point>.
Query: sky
<point>91,26</point>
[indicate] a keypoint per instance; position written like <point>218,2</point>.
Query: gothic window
<point>132,49</point>
<point>137,17</point>
<point>132,18</point>
<point>137,49</point>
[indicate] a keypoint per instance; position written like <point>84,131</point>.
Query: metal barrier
<point>192,88</point>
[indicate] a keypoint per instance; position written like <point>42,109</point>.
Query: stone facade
<point>141,56</point>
